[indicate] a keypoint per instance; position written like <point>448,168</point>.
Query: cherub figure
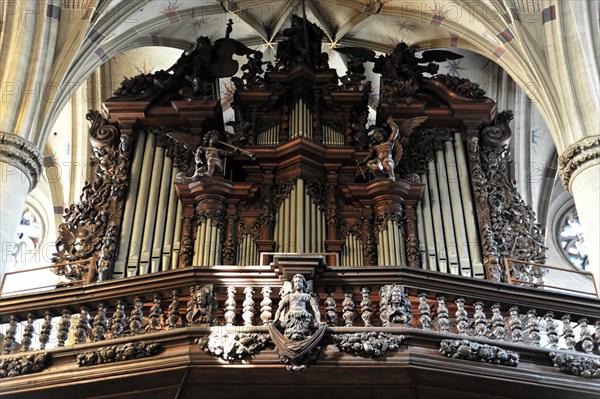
<point>208,156</point>
<point>298,309</point>
<point>386,152</point>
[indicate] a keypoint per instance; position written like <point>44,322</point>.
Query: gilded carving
<point>118,353</point>
<point>368,344</point>
<point>468,350</point>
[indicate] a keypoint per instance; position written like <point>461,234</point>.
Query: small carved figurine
<point>295,308</point>
<point>208,156</point>
<point>385,149</point>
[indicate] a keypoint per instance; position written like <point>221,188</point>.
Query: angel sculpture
<point>386,152</point>
<point>208,156</point>
<point>295,308</point>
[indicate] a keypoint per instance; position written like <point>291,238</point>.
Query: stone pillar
<point>20,169</point>
<point>579,169</point>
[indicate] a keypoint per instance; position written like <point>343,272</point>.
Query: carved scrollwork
<point>468,350</point>
<point>513,224</point>
<point>118,353</point>
<point>246,228</point>
<point>22,365</point>
<point>581,366</point>
<point>282,191</point>
<point>91,226</point>
<point>420,147</point>
<point>317,192</point>
<point>231,345</point>
<point>388,211</point>
<point>368,344</point>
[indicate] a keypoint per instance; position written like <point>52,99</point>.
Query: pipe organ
<point>300,222</point>
<point>446,215</point>
<point>311,176</point>
<point>151,225</point>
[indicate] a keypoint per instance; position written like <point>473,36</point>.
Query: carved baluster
<point>533,328</point>
<point>118,319</point>
<point>155,313</point>
<point>443,323</point>
<point>366,312</point>
<point>266,309</point>
<point>516,326</point>
<point>46,330</point>
<point>585,336</point>
<point>462,317</point>
<point>11,332</point>
<point>248,306</point>
<point>83,325</point>
<point>330,307</point>
<point>174,309</point>
<point>100,323</point>
<point>498,328</point>
<point>229,313</point>
<point>348,307</point>
<point>63,327</point>
<point>568,333</point>
<point>424,311</point>
<point>480,320</point>
<point>190,307</point>
<point>28,334</point>
<point>383,304</point>
<point>551,330</point>
<point>597,334</point>
<point>135,318</point>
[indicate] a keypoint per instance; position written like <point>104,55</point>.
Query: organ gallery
<point>310,245</point>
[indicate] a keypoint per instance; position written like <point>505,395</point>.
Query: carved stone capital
<point>578,157</point>
<point>23,155</point>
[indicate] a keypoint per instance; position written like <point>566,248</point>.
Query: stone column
<point>20,170</point>
<point>579,169</point>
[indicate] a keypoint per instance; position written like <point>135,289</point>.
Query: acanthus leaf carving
<point>232,346</point>
<point>368,344</point>
<point>91,227</point>
<point>22,365</point>
<point>118,353</point>
<point>474,351</point>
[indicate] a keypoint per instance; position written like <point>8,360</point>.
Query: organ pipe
<point>161,214</point>
<point>130,201</point>
<point>448,226</point>
<point>140,208</point>
<point>436,213</point>
<point>168,239</point>
<point>460,233</point>
<point>470,216</point>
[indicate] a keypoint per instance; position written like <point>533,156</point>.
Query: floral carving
<point>468,350</point>
<point>118,353</point>
<point>461,86</point>
<point>581,366</point>
<point>232,346</point>
<point>16,366</point>
<point>576,155</point>
<point>368,344</point>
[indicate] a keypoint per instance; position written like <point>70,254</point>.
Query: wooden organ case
<point>292,176</point>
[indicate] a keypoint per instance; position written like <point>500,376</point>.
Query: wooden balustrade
<point>348,297</point>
